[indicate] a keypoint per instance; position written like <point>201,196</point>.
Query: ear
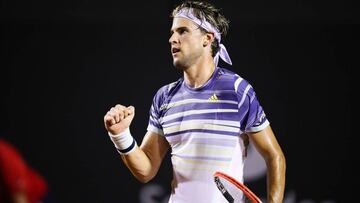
<point>208,39</point>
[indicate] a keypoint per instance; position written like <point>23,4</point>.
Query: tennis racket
<point>233,190</point>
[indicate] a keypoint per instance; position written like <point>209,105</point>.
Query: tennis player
<point>207,117</point>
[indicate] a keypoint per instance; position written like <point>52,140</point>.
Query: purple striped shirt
<point>203,127</point>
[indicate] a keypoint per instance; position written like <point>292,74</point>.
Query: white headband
<point>189,14</point>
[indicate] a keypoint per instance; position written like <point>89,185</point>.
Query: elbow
<point>142,178</point>
<point>278,160</point>
<point>282,160</point>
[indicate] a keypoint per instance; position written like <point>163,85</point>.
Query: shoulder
<point>167,90</point>
<point>233,80</point>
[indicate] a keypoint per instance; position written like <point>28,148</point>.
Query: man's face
<point>186,42</point>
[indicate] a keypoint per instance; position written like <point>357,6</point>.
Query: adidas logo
<point>213,98</point>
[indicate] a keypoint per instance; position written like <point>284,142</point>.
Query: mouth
<point>175,50</point>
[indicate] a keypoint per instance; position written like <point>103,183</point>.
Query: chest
<point>206,112</point>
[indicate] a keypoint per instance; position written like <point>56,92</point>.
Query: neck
<point>198,74</point>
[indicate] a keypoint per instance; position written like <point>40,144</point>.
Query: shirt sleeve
<point>252,115</point>
<point>154,124</point>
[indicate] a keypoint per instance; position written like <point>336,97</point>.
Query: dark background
<point>65,63</point>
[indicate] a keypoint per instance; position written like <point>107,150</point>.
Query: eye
<point>179,31</point>
<point>182,30</point>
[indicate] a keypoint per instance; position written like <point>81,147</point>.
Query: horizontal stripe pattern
<point>195,101</point>
<point>195,131</point>
<point>210,104</point>
<point>229,123</point>
<point>189,166</point>
<point>226,94</point>
<point>203,125</point>
<point>203,138</point>
<point>210,149</point>
<point>196,112</point>
<point>233,116</point>
<point>205,158</point>
<point>191,125</point>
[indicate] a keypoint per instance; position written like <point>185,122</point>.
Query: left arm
<point>266,144</point>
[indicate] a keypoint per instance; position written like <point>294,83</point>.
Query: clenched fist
<point>118,118</point>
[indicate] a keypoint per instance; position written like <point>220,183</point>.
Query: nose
<point>173,39</point>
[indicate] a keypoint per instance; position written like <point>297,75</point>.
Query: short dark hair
<point>212,14</point>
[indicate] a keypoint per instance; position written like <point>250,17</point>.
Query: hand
<point>118,118</point>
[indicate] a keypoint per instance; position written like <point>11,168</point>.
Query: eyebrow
<point>179,28</point>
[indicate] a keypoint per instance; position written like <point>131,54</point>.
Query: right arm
<point>144,161</point>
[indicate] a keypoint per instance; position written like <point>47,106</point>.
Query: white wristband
<point>123,142</point>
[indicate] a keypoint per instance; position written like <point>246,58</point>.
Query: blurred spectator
<point>19,183</point>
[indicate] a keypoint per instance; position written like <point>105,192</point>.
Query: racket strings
<point>229,189</point>
<point>233,190</point>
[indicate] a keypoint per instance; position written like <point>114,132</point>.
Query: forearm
<point>140,165</point>
<point>276,179</point>
<point>144,161</point>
